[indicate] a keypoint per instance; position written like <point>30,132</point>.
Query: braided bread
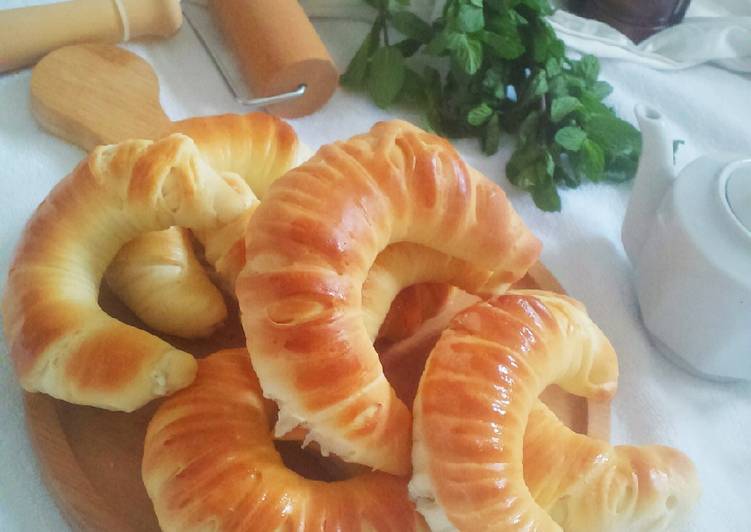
<point>60,341</point>
<point>310,246</point>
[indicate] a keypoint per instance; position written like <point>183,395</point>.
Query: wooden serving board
<point>91,459</point>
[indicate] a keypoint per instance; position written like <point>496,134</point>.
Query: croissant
<point>210,464</point>
<point>309,247</point>
<point>157,275</point>
<point>587,484</point>
<point>60,340</point>
<point>159,278</point>
<point>474,467</point>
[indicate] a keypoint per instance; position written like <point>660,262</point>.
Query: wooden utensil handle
<point>28,33</point>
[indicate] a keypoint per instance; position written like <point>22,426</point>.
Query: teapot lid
<point>738,194</point>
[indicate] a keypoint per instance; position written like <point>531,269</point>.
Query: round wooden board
<point>91,459</point>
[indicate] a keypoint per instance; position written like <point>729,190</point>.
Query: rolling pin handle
<point>28,33</point>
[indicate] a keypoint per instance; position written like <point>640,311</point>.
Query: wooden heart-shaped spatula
<point>91,94</point>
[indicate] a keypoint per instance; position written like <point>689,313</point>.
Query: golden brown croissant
<point>310,246</point>
<point>477,396</point>
<point>60,341</point>
<point>210,464</point>
<point>586,484</point>
<point>157,275</point>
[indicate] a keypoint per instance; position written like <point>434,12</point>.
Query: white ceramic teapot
<point>689,240</point>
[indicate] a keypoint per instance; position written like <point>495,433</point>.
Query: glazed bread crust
<point>60,340</point>
<point>157,275</point>
<point>310,246</point>
<point>210,464</point>
<point>587,484</point>
<point>480,383</point>
<point>159,278</point>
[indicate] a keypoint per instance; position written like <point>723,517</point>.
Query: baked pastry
<point>310,246</point>
<point>474,467</point>
<point>210,464</point>
<point>157,275</point>
<point>412,307</point>
<point>60,340</point>
<point>587,484</point>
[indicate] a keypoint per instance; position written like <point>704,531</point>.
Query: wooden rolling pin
<point>278,50</point>
<point>27,33</point>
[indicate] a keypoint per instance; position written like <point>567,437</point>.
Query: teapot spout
<point>654,177</point>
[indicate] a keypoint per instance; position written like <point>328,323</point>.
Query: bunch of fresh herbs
<point>493,66</point>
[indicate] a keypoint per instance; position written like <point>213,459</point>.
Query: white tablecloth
<point>657,403</point>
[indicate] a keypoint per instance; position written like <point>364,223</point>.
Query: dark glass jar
<point>637,19</point>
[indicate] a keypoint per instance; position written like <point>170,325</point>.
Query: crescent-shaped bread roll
<point>60,340</point>
<point>210,464</point>
<point>158,275</point>
<point>310,246</point>
<point>474,466</point>
<point>587,484</point>
<point>159,278</point>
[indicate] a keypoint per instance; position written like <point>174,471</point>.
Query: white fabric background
<point>657,403</point>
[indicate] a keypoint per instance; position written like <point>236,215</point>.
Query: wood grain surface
<point>91,459</point>
<point>91,94</point>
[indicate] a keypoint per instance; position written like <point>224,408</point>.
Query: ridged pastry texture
<point>60,340</point>
<point>159,278</point>
<point>473,465</point>
<point>310,245</point>
<point>158,275</point>
<point>210,464</point>
<point>586,484</point>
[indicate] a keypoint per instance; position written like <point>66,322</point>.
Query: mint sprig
<point>494,66</point>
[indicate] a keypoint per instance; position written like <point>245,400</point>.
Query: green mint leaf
<point>548,163</point>
<point>553,66</point>
<point>413,88</point>
<point>589,68</point>
<point>412,26</point>
<point>539,84</point>
<point>470,18</point>
<point>493,82</point>
<point>408,47</point>
<point>386,76</point>
<point>570,137</point>
<point>617,137</point>
<point>479,114</point>
<point>523,157</point>
<point>354,76</point>
<point>529,127</point>
<point>505,46</point>
<point>468,54</point>
<point>446,40</point>
<point>491,138</point>
<point>591,160</point>
<point>621,169</point>
<point>558,87</point>
<point>546,198</point>
<point>563,106</point>
<point>601,89</point>
<point>541,7</point>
